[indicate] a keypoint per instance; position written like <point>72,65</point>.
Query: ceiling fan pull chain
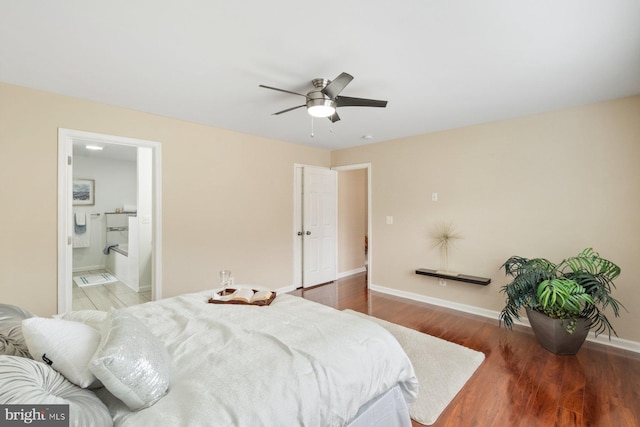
<point>311,126</point>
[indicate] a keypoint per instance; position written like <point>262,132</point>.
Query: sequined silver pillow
<point>131,362</point>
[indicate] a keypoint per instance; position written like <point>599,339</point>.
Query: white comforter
<point>292,363</point>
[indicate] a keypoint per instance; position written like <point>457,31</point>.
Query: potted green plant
<point>563,301</point>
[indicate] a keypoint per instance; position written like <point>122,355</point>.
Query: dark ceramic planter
<point>553,336</point>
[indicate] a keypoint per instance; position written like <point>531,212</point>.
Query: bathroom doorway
<point>109,221</point>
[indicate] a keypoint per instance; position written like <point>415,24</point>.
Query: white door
<point>319,230</point>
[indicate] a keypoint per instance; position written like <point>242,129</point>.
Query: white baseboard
<point>89,267</point>
<point>492,314</point>
<point>351,272</point>
<point>285,289</point>
<point>344,274</point>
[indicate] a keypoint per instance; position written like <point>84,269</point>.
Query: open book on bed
<point>244,296</point>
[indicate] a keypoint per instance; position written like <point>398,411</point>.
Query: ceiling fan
<point>324,99</point>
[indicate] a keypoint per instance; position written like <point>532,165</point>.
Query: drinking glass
<point>225,275</point>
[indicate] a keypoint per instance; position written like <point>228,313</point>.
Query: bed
<point>294,362</point>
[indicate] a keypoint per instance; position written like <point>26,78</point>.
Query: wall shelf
<point>460,278</point>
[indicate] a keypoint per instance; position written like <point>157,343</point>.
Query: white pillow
<point>131,362</point>
<point>64,345</point>
<point>28,382</point>
<point>93,318</point>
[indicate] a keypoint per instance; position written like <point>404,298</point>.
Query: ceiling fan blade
<point>282,90</point>
<point>347,101</point>
<point>288,109</point>
<point>334,88</point>
<point>334,117</point>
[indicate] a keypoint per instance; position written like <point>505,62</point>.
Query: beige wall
<point>227,197</point>
<point>352,219</point>
<point>545,185</point>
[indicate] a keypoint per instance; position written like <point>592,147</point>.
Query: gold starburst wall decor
<point>444,235</point>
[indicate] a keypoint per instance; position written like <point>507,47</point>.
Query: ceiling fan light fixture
<point>321,107</point>
<point>325,98</point>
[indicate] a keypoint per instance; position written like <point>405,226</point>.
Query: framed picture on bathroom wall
<point>84,192</point>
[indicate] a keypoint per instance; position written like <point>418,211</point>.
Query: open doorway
<point>109,226</point>
<point>354,220</point>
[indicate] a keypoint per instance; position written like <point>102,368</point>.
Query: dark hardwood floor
<point>519,383</point>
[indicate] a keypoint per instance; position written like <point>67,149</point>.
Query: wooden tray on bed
<point>239,302</point>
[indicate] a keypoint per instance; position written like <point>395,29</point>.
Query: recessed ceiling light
<point>93,147</point>
<point>367,136</point>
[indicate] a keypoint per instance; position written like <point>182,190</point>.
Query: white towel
<point>81,218</point>
<point>82,240</point>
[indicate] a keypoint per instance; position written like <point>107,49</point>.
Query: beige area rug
<point>442,368</point>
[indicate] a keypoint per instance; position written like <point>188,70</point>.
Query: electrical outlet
<point>442,282</point>
<point>434,197</point>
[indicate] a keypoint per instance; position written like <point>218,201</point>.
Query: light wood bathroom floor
<point>103,297</point>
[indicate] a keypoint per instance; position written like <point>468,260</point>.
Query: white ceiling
<point>440,64</point>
